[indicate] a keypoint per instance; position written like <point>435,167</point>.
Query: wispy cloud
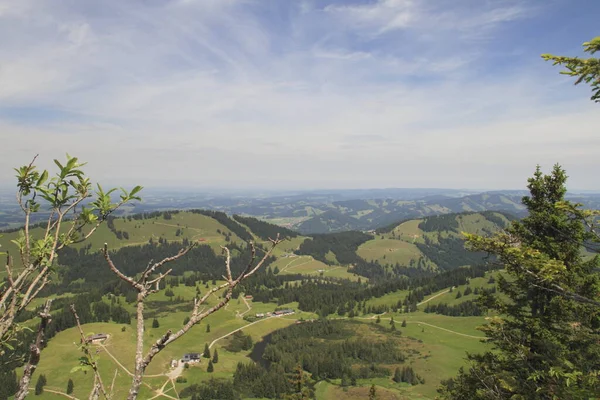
<point>338,93</point>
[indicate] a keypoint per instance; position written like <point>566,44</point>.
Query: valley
<point>374,278</point>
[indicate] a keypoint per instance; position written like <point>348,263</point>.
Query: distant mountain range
<point>329,211</point>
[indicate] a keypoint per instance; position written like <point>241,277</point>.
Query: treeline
<point>326,349</point>
<point>449,253</point>
<point>465,309</point>
<point>110,223</point>
<point>326,296</point>
<point>445,222</point>
<point>263,229</point>
<point>83,270</point>
<point>343,245</point>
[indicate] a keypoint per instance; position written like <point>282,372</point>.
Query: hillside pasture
<point>389,251</point>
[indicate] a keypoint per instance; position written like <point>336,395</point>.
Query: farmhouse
<point>248,297</point>
<point>95,338</point>
<point>260,315</point>
<point>190,357</point>
<point>287,311</point>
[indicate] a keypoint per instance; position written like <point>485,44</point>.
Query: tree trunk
<point>139,351</point>
<point>34,353</point>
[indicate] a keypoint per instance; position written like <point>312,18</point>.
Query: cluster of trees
<point>465,309</point>
<point>439,223</point>
<point>545,339</point>
<point>343,245</point>
<point>328,349</point>
<point>408,375</point>
<point>110,223</point>
<point>264,230</point>
<point>239,341</point>
<point>88,268</point>
<point>449,252</point>
<point>210,390</point>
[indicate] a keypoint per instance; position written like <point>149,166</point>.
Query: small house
<point>96,338</point>
<point>260,315</point>
<point>190,357</point>
<point>249,297</point>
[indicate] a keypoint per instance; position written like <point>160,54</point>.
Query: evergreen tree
<point>372,393</point>
<point>403,323</point>
<point>155,323</point>
<point>378,320</point>
<point>186,320</point>
<point>206,353</point>
<point>210,367</point>
<point>585,70</point>
<point>397,375</point>
<point>546,341</point>
<point>393,327</point>
<point>215,358</point>
<point>207,328</point>
<point>70,386</point>
<point>39,386</point>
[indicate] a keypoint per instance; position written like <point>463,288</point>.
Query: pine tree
<point>546,342</point>
<point>403,323</point>
<point>378,320</point>
<point>206,353</point>
<point>585,70</point>
<point>207,328</point>
<point>372,393</point>
<point>215,358</point>
<point>39,386</point>
<point>393,327</point>
<point>397,375</point>
<point>155,323</point>
<point>70,386</point>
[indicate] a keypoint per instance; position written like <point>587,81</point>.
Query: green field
<point>389,251</point>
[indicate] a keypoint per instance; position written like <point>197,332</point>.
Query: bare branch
<point>149,271</point>
<point>98,385</point>
<point>114,269</point>
<point>197,316</point>
<point>34,353</point>
<point>227,264</point>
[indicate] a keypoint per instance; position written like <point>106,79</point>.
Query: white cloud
<point>234,93</point>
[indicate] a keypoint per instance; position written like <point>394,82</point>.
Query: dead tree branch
<point>90,360</point>
<point>34,352</point>
<point>146,285</point>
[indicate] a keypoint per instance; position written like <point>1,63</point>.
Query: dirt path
<point>238,329</point>
<point>420,322</point>
<point>68,396</point>
<point>447,330</point>
<point>288,267</point>
<point>433,297</point>
<point>247,305</point>
<point>122,366</point>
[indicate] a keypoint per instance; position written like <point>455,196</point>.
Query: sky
<point>298,94</point>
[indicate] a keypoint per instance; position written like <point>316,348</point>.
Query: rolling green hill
<point>317,275</point>
<point>431,243</point>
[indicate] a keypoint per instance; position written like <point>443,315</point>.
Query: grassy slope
<point>446,348</point>
<point>398,246</point>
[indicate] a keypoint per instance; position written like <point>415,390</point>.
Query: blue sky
<point>298,94</point>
